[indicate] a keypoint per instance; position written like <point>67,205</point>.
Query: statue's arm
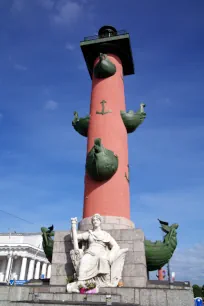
<point>83,236</point>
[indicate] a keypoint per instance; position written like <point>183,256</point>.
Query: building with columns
<point>22,257</point>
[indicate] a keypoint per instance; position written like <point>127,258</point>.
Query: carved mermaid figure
<point>100,260</point>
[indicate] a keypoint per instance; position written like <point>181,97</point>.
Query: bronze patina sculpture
<point>47,236</point>
<point>101,164</point>
<point>133,119</point>
<point>81,124</point>
<point>104,68</point>
<point>157,253</point>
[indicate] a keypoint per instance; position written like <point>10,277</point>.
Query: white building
<point>22,257</point>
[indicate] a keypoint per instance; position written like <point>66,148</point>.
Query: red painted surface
<point>109,198</point>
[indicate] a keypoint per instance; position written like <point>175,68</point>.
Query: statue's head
<point>96,220</point>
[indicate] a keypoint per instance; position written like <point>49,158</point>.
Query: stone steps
<point>60,303</point>
<point>159,295</point>
<point>74,297</point>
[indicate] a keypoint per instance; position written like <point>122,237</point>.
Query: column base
<point>108,223</point>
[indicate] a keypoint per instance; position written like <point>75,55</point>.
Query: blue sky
<point>43,80</point>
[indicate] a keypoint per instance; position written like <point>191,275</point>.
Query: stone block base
<point>108,223</point>
<point>161,295</point>
<point>134,272</point>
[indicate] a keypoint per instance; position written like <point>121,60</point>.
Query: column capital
<point>9,255</point>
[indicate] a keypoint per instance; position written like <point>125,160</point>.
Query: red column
<point>109,198</point>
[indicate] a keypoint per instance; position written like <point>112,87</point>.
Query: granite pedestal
<point>137,290</point>
<point>151,295</point>
<point>134,272</point>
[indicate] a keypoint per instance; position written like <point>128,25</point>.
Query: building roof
<point>20,234</point>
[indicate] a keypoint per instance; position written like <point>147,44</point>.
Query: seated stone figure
<point>100,260</point>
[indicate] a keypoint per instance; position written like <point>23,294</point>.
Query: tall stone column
<point>112,197</point>
<point>23,268</point>
<point>8,267</point>
<point>49,271</point>
<point>31,269</point>
<point>44,269</point>
<point>37,270</point>
<point>3,268</point>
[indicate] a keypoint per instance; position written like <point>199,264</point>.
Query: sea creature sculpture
<point>48,242</point>
<point>101,164</point>
<point>104,68</point>
<point>159,253</point>
<point>81,124</point>
<point>133,119</point>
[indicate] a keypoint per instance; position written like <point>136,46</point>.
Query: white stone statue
<point>100,260</point>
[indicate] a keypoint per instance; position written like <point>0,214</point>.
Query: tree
<point>202,291</point>
<point>197,291</point>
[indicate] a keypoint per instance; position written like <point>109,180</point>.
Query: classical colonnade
<point>18,267</point>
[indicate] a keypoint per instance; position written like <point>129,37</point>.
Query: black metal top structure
<point>108,41</point>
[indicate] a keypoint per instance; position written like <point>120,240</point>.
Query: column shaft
<point>109,198</point>
<point>44,268</point>
<point>8,268</point>
<point>49,271</point>
<point>31,269</point>
<point>23,268</point>
<point>3,268</point>
<point>37,270</point>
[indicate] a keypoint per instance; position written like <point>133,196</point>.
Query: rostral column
<point>108,58</point>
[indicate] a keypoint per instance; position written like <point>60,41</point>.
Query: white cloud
<point>47,4</point>
<point>70,47</point>
<point>17,5</point>
<point>189,264</point>
<point>20,67</point>
<point>61,12</point>
<point>51,105</point>
<point>20,5</point>
<point>184,207</point>
<point>67,12</point>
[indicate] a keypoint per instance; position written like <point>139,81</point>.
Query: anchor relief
<point>103,112</point>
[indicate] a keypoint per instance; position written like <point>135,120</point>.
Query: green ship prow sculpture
<point>157,253</point>
<point>48,242</point>
<point>133,119</point>
<point>81,124</point>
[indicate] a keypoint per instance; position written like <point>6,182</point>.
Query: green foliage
<point>88,285</point>
<point>198,291</point>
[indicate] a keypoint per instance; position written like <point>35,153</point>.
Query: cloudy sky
<point>43,79</point>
